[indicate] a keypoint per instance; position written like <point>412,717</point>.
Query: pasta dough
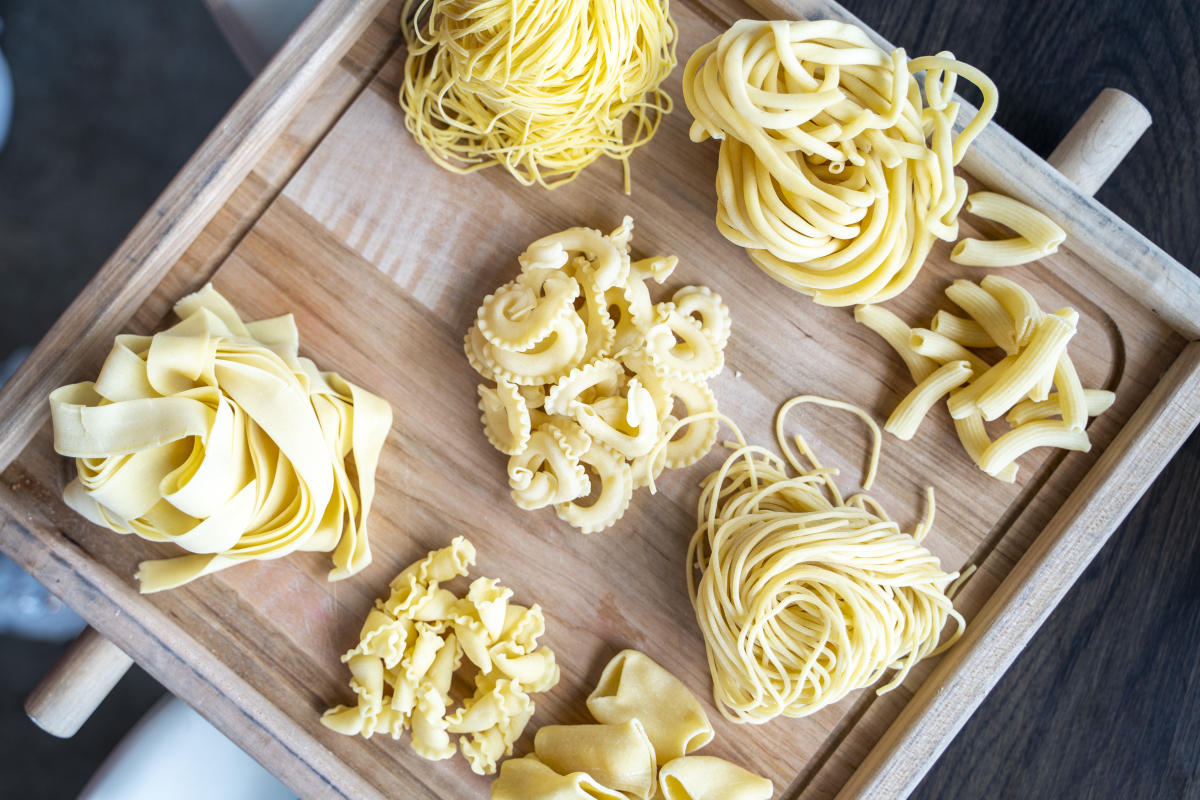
<point>412,643</point>
<point>541,88</point>
<point>215,435</point>
<point>1018,387</point>
<point>648,718</point>
<point>588,371</point>
<point>803,596</point>
<point>834,172</point>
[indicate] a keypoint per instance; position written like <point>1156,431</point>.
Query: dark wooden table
<point>1105,701</point>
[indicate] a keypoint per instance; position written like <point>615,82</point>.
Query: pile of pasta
<point>804,596</point>
<point>412,643</point>
<point>835,173</point>
<point>587,370</point>
<point>1019,386</point>
<point>216,436</point>
<point>649,723</point>
<point>543,87</point>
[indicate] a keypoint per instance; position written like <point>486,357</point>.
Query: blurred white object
<point>6,96</point>
<point>174,752</point>
<point>256,29</point>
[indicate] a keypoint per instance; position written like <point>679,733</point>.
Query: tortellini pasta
<point>648,724</point>
<point>214,434</point>
<point>413,642</point>
<point>588,370</point>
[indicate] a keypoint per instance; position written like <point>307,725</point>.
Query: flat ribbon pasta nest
<point>587,371</point>
<point>803,596</point>
<point>541,87</point>
<point>834,172</point>
<point>215,435</point>
<point>412,644</point>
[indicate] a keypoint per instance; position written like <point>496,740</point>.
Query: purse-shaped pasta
<point>619,756</point>
<point>413,642</point>
<point>633,686</point>
<point>215,435</point>
<point>710,778</point>
<point>529,779</point>
<point>589,379</point>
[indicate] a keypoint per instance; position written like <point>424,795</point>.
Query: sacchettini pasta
<point>649,726</point>
<point>1018,386</point>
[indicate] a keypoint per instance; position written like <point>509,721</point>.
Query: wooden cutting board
<point>313,199</point>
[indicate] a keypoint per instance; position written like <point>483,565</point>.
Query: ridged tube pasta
<point>833,172</point>
<point>1037,235</point>
<point>710,778</point>
<point>216,436</point>
<point>633,686</point>
<point>540,88</point>
<point>619,756</point>
<point>907,417</point>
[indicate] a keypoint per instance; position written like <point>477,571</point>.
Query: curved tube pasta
<point>711,778</point>
<point>618,756</point>
<point>633,686</point>
<point>214,435</point>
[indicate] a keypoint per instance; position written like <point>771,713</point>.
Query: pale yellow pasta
<point>943,349</point>
<point>1023,438</point>
<point>633,686</point>
<point>710,778</point>
<point>907,416</point>
<point>962,403</point>
<point>1037,235</point>
<point>1071,397</point>
<point>899,336</point>
<point>966,332</point>
<point>833,172</point>
<point>411,646</point>
<point>985,310</point>
<point>975,440</point>
<point>541,88</point>
<point>1096,401</point>
<point>619,756</point>
<point>216,436</point>
<point>1046,344</point>
<point>1022,309</point>
<point>529,779</point>
<point>588,371</point>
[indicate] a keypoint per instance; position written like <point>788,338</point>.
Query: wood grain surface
<point>279,628</point>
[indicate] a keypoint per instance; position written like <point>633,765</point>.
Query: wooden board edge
<point>179,215</point>
<point>177,661</point>
<point>1027,596</point>
<point>1109,244</point>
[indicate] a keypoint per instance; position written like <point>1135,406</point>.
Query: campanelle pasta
<point>587,372</point>
<point>215,435</point>
<point>412,643</point>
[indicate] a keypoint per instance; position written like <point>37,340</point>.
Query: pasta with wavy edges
<point>215,435</point>
<point>412,643</point>
<point>588,371</point>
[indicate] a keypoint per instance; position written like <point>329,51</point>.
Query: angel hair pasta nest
<point>540,87</point>
<point>588,370</point>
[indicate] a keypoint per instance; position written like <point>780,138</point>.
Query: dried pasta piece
<point>413,642</point>
<point>1037,235</point>
<point>594,387</point>
<point>529,779</point>
<point>619,756</point>
<point>633,686</point>
<point>216,436</point>
<point>916,404</point>
<point>710,778</point>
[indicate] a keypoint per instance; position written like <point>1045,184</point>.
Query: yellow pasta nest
<point>412,644</point>
<point>803,596</point>
<point>1000,314</point>
<point>587,371</point>
<point>540,87</point>
<point>834,173</point>
<point>215,435</point>
<point>648,725</point>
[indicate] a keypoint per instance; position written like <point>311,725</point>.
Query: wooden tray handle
<point>77,684</point>
<point>1101,138</point>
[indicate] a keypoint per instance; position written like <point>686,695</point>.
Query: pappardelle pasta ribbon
<point>216,436</point>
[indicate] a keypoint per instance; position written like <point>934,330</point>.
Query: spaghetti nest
<point>834,172</point>
<point>541,87</point>
<point>802,596</point>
